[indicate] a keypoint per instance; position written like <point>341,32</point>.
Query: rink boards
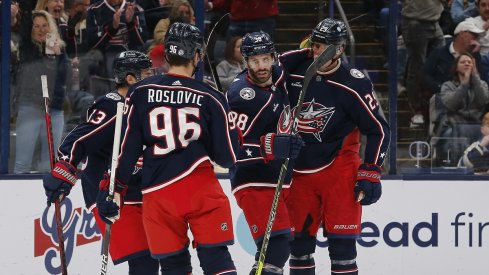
<point>418,227</point>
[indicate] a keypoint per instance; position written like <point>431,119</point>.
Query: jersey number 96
<point>160,121</point>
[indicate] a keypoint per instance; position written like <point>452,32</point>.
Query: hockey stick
<point>52,160</point>
<point>212,38</point>
<point>113,166</point>
<point>327,55</point>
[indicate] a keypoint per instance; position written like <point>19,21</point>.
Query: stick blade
<point>324,57</point>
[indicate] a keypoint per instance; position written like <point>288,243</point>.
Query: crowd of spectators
<point>443,59</point>
<point>76,46</point>
<point>74,43</point>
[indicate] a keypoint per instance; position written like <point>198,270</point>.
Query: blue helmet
<point>130,62</point>
<point>330,31</point>
<point>256,43</point>
<point>183,40</point>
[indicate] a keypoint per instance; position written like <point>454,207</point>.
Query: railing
<point>5,88</point>
<point>393,6</point>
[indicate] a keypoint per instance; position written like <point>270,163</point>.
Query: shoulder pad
<point>114,96</point>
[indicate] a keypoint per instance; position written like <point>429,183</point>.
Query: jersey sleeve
<point>224,135</point>
<point>365,111</point>
<point>291,60</point>
<point>93,134</point>
<point>131,144</point>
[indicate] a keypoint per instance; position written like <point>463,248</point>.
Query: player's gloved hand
<point>280,146</point>
<point>109,210</point>
<point>368,188</point>
<point>59,181</point>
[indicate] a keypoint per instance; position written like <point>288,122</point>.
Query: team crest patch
<point>114,96</point>
<point>356,73</point>
<point>313,118</point>
<point>247,93</point>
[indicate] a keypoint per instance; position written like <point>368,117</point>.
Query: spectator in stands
<point>476,156</point>
<point>446,22</point>
<point>464,97</point>
<point>57,10</point>
<point>248,15</point>
<point>421,33</point>
<point>77,27</point>
<point>55,7</point>
<point>436,69</point>
<point>482,22</point>
<point>36,59</point>
<point>181,11</point>
<point>232,64</point>
<point>15,39</point>
<point>154,10</point>
<point>463,9</point>
<point>85,61</point>
<point>113,26</point>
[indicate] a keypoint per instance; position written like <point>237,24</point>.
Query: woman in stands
<point>464,97</point>
<point>38,56</point>
<point>232,64</point>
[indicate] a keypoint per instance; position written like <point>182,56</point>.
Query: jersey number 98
<point>237,120</point>
<point>160,121</point>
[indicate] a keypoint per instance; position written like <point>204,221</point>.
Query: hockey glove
<point>109,210</point>
<point>59,182</point>
<point>368,188</point>
<point>280,146</point>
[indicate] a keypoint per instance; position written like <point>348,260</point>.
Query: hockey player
<point>260,109</point>
<point>184,124</point>
<point>93,140</point>
<point>330,184</point>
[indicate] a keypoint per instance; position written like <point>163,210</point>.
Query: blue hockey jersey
<point>335,103</point>
<point>93,140</point>
<point>257,111</point>
<point>182,122</point>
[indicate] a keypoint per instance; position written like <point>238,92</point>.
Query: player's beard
<point>260,76</point>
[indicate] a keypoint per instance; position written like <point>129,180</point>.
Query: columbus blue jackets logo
<point>247,93</point>
<point>285,121</point>
<point>356,73</point>
<point>114,96</point>
<point>313,118</point>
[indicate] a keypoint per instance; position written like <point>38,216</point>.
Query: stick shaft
<point>210,39</point>
<point>52,160</point>
<point>113,167</point>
